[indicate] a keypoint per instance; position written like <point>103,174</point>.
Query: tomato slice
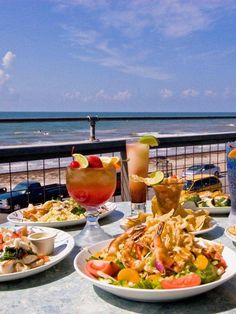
<point>108,267</point>
<point>182,282</point>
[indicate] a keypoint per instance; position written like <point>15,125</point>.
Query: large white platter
<point>147,295</point>
<point>212,210</point>
<point>17,218</point>
<point>64,244</point>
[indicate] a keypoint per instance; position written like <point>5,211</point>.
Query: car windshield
<point>195,167</point>
<point>21,187</point>
<point>187,185</point>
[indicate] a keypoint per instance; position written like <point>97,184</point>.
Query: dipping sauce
<point>44,241</point>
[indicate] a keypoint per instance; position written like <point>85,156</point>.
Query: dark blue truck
<point>30,192</point>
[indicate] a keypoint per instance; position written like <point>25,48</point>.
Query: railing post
<point>92,122</point>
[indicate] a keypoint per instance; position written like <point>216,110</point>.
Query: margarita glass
<point>231,172</point>
<point>91,187</point>
<point>138,161</point>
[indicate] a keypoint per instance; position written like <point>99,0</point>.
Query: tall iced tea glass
<point>138,161</point>
<point>231,171</point>
<point>91,187</point>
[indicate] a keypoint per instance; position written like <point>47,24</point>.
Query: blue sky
<point>100,55</point>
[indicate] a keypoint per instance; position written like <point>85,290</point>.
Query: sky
<point>101,55</point>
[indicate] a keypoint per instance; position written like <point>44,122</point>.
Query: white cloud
<point>94,48</point>
<point>119,96</point>
<point>172,18</point>
<point>3,77</point>
<point>190,93</point>
<point>166,93</point>
<point>7,59</point>
<point>209,93</point>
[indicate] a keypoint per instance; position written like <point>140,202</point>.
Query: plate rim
<point>57,224</point>
<point>214,225</point>
<point>229,235</point>
<point>151,291</point>
<point>30,272</point>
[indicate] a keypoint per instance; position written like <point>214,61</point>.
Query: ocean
<point>58,132</point>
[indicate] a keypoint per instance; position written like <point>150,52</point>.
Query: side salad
<point>208,199</point>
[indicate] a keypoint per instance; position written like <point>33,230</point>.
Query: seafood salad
<point>158,256</point>
<point>17,252</point>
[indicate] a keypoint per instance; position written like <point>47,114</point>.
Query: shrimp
<point>160,252</point>
<point>132,234</point>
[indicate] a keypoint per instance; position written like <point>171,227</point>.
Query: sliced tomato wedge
<point>108,267</point>
<point>187,281</point>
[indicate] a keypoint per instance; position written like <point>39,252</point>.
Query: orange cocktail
<point>91,187</point>
<point>91,183</point>
<point>138,161</point>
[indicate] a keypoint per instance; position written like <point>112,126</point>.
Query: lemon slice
<point>150,140</point>
<point>232,153</point>
<point>115,161</point>
<point>154,178</point>
<point>105,160</point>
<point>82,160</point>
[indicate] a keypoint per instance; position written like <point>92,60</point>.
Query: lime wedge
<point>150,140</point>
<point>154,178</point>
<point>82,160</point>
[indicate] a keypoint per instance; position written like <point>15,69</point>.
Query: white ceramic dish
<point>17,219</point>
<point>146,295</point>
<point>213,225</point>
<point>230,235</point>
<point>63,245</point>
<point>212,210</point>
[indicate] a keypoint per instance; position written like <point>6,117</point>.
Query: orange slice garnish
<point>232,153</point>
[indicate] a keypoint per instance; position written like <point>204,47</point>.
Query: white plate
<point>17,219</point>
<point>212,210</point>
<point>213,224</point>
<point>230,235</point>
<point>64,244</point>
<point>147,295</point>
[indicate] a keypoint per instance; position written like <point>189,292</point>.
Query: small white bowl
<point>44,242</point>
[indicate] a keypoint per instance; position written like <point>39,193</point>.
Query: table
<point>60,290</point>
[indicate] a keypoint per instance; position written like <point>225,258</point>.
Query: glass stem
<point>92,217</point>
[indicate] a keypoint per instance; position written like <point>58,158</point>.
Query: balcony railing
<point>174,155</point>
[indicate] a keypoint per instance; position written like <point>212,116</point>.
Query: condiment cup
<point>44,242</point>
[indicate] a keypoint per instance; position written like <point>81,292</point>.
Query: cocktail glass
<point>231,172</point>
<point>91,187</point>
<point>138,161</point>
<point>167,195</point>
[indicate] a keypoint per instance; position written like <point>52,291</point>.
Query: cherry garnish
<point>74,164</point>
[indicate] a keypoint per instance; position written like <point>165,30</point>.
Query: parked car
<point>2,190</point>
<point>32,192</point>
<point>203,182</point>
<point>202,169</point>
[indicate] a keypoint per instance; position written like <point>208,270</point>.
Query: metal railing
<point>93,120</point>
<point>173,156</point>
